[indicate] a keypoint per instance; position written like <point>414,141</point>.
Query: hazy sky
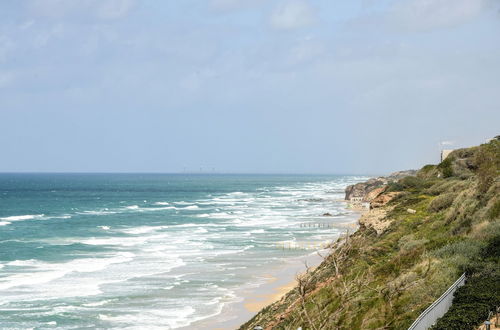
<point>318,86</point>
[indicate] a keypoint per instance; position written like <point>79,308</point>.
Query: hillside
<point>421,234</point>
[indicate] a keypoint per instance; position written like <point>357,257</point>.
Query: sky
<point>245,86</point>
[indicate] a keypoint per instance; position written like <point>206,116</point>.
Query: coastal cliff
<point>420,234</point>
<point>369,190</point>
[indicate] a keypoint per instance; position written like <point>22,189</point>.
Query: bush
<point>441,202</point>
<point>468,248</point>
<point>409,242</point>
<point>492,249</point>
<point>472,303</point>
<point>444,186</point>
<point>487,161</point>
<point>407,183</point>
<point>445,167</point>
<point>494,211</point>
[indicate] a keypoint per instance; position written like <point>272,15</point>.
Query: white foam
<point>162,203</point>
<point>120,241</point>
<point>132,207</point>
<point>101,212</point>
<point>160,208</point>
<point>143,229</point>
<point>65,216</point>
<point>97,304</point>
<point>23,217</point>
<point>190,207</point>
<point>183,203</point>
<point>41,272</point>
<point>4,223</point>
<point>152,319</point>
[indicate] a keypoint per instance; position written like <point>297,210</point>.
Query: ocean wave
<point>132,207</point>
<point>119,241</point>
<point>23,217</point>
<point>162,203</point>
<point>190,207</point>
<point>168,318</point>
<point>142,229</point>
<point>47,272</point>
<point>97,212</point>
<point>98,303</point>
<point>5,223</point>
<point>183,203</point>
<point>65,216</point>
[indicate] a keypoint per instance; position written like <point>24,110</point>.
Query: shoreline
<point>272,287</point>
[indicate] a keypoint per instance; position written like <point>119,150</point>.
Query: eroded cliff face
<point>371,189</point>
<point>362,189</point>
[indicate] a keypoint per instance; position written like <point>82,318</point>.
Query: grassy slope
<point>385,281</point>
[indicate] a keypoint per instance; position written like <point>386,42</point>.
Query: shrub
<point>492,249</point>
<point>446,168</point>
<point>409,242</point>
<point>409,183</point>
<point>444,186</point>
<point>487,161</point>
<point>472,303</point>
<point>494,211</point>
<point>468,248</point>
<point>441,202</point>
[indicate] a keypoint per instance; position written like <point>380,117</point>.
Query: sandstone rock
<point>383,199</point>
<point>360,190</point>
<point>327,214</point>
<point>375,219</point>
<point>371,195</point>
<point>369,190</point>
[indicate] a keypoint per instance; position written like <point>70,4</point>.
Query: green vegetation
<point>386,280</point>
<point>480,294</point>
<point>446,168</point>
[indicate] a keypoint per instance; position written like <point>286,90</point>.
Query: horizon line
<point>188,173</point>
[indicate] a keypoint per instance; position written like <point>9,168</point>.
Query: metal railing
<point>438,308</point>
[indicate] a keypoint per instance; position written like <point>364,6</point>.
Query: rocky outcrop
<point>401,174</point>
<point>361,190</point>
<point>376,220</point>
<point>383,199</point>
<point>369,190</point>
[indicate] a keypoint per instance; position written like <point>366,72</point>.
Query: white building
<point>445,153</point>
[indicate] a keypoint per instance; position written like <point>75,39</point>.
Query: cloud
<point>6,45</point>
<point>431,14</point>
<point>227,5</point>
<point>293,14</point>
<point>112,9</point>
<point>102,9</point>
<point>5,79</point>
<point>305,50</point>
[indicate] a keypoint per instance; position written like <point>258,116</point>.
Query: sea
<point>152,251</point>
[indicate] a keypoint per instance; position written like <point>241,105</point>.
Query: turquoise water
<point>149,251</point>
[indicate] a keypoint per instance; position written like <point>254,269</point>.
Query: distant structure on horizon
<point>445,153</point>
